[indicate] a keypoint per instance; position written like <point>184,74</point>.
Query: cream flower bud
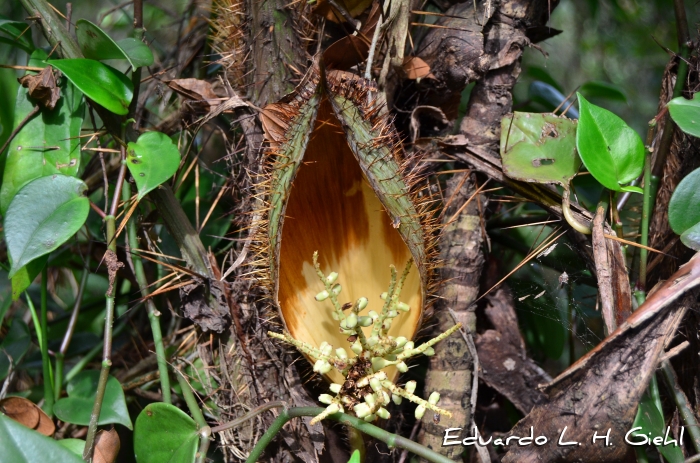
<point>370,418</point>
<point>420,411</point>
<point>373,315</point>
<point>402,306</point>
<point>383,414</point>
<point>356,347</point>
<point>351,320</point>
<point>361,303</point>
<point>429,352</point>
<point>361,410</point>
<point>341,353</point>
<point>384,295</point>
<point>408,346</point>
<point>364,321</point>
<point>335,388</point>
<point>401,341</point>
<point>378,363</point>
<point>410,387</point>
<point>402,367</point>
<point>333,408</point>
<point>337,289</point>
<point>362,382</point>
<point>325,398</point>
<point>375,384</point>
<point>370,399</point>
<point>396,399</point>
<point>332,277</point>
<point>322,296</point>
<point>434,398</point>
<point>322,366</point>
<point>327,349</point>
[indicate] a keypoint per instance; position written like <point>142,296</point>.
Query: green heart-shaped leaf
<point>152,160</point>
<point>43,215</point>
<point>165,434</point>
<point>74,445</point>
<point>684,206</point>
<point>101,83</point>
<point>686,114</point>
<point>23,445</point>
<point>14,346</point>
<point>612,152</point>
<point>47,144</point>
<point>24,276</point>
<point>97,45</point>
<point>539,148</point>
<point>76,408</point>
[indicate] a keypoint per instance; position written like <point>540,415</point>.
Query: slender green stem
<point>684,407</point>
<point>45,362</point>
<point>87,358</point>
<point>112,266</point>
<point>61,354</point>
<point>646,216</point>
<point>252,414</point>
<point>190,399</point>
<point>392,440</point>
<point>153,313</point>
<point>196,412</point>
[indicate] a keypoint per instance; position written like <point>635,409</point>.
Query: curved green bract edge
<point>290,155</point>
<point>691,237</point>
<point>382,172</point>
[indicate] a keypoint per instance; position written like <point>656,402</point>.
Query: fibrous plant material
<point>366,388</point>
<point>336,183</point>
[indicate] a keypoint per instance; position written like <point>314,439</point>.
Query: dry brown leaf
<point>416,68</point>
<point>42,87</point>
<point>346,53</point>
<point>601,391</point>
<point>107,446</point>
<point>196,90</point>
<point>26,412</point>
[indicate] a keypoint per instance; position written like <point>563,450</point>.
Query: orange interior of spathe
<point>333,210</point>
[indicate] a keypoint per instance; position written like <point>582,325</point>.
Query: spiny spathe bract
<point>367,389</point>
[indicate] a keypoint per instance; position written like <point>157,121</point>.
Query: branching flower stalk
<point>367,389</point>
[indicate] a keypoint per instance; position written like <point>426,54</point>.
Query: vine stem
<point>153,313</point>
<point>112,265</point>
<point>392,440</point>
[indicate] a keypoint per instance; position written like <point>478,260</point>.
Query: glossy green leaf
<point>101,83</point>
<point>650,419</point>
<point>74,445</point>
<point>612,152</point>
<point>43,215</point>
<point>691,237</point>
<point>48,144</point>
<point>23,445</point>
<point>14,346</point>
<point>18,34</point>
<point>539,148</point>
<point>97,45</point>
<point>76,408</point>
<point>152,160</point>
<point>686,114</point>
<point>603,90</point>
<point>24,276</point>
<point>684,206</point>
<point>165,434</point>
<point>138,53</point>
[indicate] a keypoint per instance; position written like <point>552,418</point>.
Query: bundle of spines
<point>334,182</point>
<point>228,39</point>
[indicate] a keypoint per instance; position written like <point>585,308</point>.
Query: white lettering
<point>447,436</point>
<point>606,437</point>
<point>561,439</point>
<point>632,432</point>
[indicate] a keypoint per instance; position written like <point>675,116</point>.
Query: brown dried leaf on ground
<point>196,90</point>
<point>42,87</point>
<point>416,68</point>
<point>505,365</point>
<point>26,412</point>
<point>601,391</point>
<point>107,446</point>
